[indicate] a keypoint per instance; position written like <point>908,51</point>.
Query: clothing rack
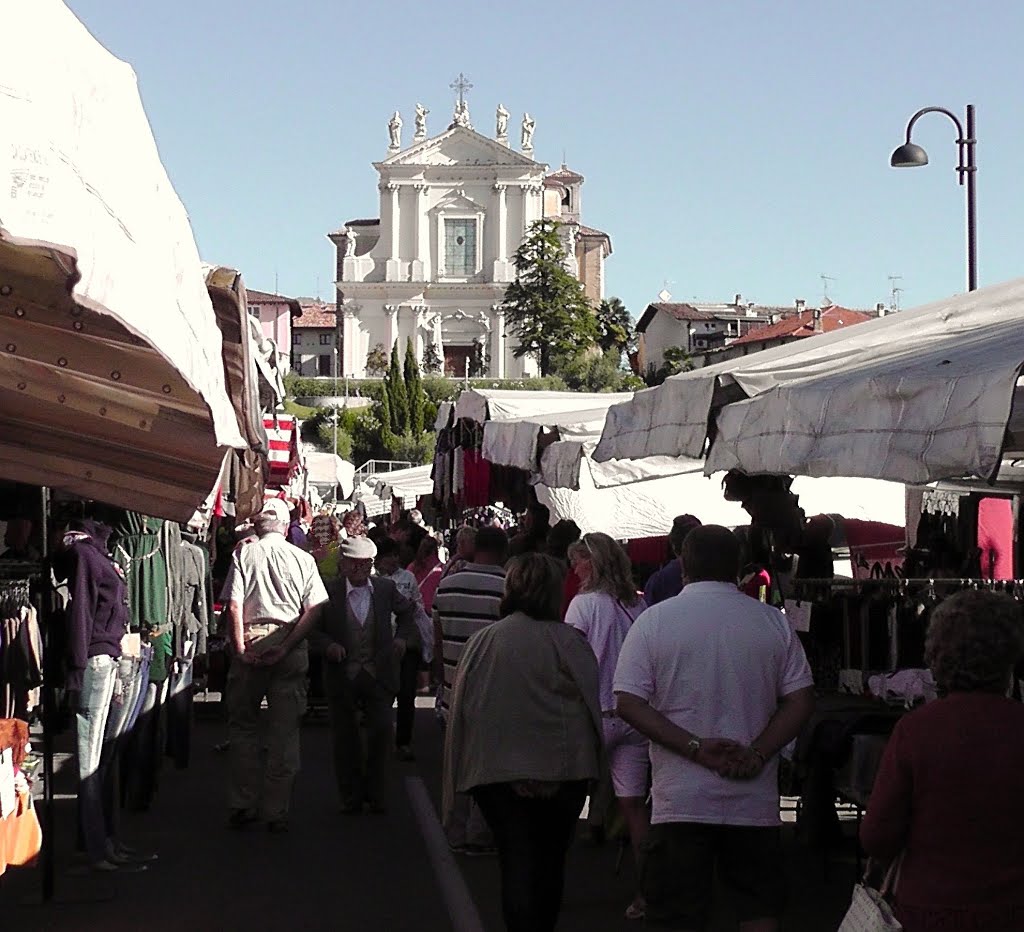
<point>37,575</point>
<point>815,589</point>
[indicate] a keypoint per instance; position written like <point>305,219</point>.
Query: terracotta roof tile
<point>564,176</point>
<point>802,325</point>
<point>316,315</point>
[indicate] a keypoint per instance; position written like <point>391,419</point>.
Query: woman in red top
<point>948,793</point>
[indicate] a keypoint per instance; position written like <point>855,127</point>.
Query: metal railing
<point>373,467</point>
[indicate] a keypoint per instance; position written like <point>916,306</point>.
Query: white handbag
<point>869,911</point>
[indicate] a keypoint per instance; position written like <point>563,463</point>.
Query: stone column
<point>391,310</point>
<point>393,266</point>
<point>350,361</point>
<point>421,261</point>
<point>395,239</point>
<point>498,342</point>
<point>502,223</point>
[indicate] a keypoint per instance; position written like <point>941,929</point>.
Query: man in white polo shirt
<point>720,684</point>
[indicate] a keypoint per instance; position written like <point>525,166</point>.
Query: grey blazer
<point>332,628</point>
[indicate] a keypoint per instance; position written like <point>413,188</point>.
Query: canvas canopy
<point>327,470</point>
<point>112,383</point>
<point>913,397</point>
<point>646,509</point>
<point>483,404</point>
<point>630,499</point>
<point>404,483</point>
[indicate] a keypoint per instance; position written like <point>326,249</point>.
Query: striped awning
<point>283,443</point>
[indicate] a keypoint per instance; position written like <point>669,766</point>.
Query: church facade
<point>434,266</point>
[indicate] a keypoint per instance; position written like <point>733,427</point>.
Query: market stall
<point>122,391</point>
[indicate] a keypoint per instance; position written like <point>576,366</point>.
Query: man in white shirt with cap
<point>363,650</point>
<point>273,584</point>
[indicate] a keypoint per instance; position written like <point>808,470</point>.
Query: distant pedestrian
<point>465,546</point>
<point>524,738</point>
<point>533,531</point>
<point>273,585</point>
<point>362,632</point>
<point>720,684</point>
<point>668,581</point>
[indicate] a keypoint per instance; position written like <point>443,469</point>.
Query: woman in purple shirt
<point>603,610</point>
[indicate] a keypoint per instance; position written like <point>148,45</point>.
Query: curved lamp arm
<point>961,137</point>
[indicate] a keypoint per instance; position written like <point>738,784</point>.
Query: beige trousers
<point>255,784</point>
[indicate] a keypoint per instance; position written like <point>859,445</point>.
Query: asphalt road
<point>387,873</point>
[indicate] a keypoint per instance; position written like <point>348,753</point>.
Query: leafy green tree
<point>432,361</point>
<point>614,325</point>
<point>377,361</point>
<point>675,360</point>
<point>394,386</point>
<point>416,397</point>
<point>546,306</point>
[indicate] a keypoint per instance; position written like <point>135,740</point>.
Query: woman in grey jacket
<point>524,738</point>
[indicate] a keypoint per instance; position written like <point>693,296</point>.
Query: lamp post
<point>335,450</point>
<point>910,155</point>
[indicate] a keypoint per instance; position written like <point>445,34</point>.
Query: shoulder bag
<point>869,909</point>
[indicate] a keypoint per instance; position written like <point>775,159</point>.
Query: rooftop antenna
<point>276,291</point>
<point>896,290</point>
<point>664,296</point>
<point>825,279</point>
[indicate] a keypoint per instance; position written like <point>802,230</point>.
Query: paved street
<point>331,872</point>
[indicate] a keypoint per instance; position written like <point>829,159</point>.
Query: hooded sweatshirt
<point>97,616</point>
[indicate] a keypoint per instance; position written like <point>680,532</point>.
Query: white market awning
<point>328,470</point>
<point>913,397</point>
<point>111,376</point>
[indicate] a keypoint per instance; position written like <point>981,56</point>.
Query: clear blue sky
<point>727,146</point>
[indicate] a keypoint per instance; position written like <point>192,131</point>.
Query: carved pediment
<point>460,146</point>
<point>458,201</point>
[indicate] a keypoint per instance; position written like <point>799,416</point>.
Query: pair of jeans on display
<point>179,706</point>
<point>91,717</point>
<point>130,678</point>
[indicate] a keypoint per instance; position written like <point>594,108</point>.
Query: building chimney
<point>800,304</point>
<point>818,328</point>
<point>880,309</point>
<point>738,300</point>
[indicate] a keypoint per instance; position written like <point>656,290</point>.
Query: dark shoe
<point>107,866</point>
<point>277,826</point>
<point>240,818</point>
<point>478,851</point>
<point>405,753</point>
<point>124,854</point>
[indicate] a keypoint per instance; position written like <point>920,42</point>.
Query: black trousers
<point>533,837</point>
<point>406,712</point>
<point>361,779</point>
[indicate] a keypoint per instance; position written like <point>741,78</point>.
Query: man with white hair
<point>363,650</point>
<point>273,585</point>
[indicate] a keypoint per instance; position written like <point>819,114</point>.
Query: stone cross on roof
<point>461,117</point>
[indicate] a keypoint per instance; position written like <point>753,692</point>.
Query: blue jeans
<point>91,720</point>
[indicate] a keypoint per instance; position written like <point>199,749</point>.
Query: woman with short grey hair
<point>947,798</point>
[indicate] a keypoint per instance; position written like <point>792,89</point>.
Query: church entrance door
<point>455,360</point>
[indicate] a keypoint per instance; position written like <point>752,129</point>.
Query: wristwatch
<point>693,748</point>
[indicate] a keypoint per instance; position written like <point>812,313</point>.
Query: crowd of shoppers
<point>556,679</point>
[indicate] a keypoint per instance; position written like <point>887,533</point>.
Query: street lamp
<point>910,155</point>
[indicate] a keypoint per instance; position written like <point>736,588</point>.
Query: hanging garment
<point>138,548</point>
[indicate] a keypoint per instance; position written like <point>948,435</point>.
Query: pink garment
<point>995,537</point>
<point>428,579</point>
